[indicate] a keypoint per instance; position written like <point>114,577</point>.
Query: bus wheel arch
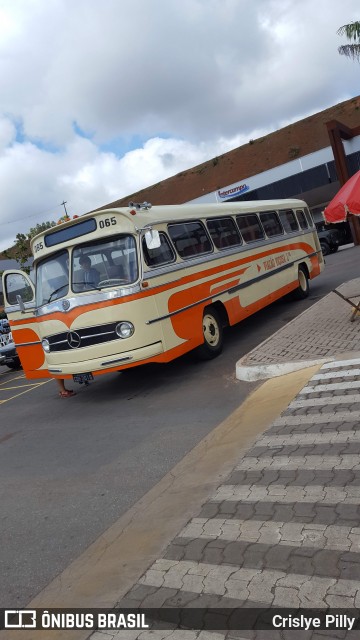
<point>212,329</point>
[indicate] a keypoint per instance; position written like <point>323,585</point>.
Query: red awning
<point>347,200</point>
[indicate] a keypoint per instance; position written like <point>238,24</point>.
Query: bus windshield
<point>104,263</point>
<point>52,278</point>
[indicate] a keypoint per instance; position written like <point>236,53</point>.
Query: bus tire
<point>325,248</point>
<point>213,335</point>
<point>302,290</point>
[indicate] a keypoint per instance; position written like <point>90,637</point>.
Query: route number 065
<point>107,222</point>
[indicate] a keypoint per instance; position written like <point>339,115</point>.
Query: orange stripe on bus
<point>32,356</point>
<point>69,317</point>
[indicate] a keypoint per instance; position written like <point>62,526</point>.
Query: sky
<point>99,99</point>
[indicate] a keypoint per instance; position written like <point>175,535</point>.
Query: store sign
<point>232,193</point>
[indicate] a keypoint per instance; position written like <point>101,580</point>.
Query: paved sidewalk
<point>319,334</point>
<point>283,530</point>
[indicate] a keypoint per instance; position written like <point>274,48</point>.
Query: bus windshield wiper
<point>64,286</point>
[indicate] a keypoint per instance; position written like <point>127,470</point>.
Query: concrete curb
<point>265,371</point>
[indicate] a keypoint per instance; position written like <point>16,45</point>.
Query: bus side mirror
<point>152,239</point>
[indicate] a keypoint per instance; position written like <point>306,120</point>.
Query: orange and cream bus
<point>122,287</point>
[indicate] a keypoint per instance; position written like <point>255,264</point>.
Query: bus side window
<point>223,232</point>
<point>190,239</point>
<point>309,218</point>
<point>289,221</point>
<point>271,223</point>
<point>161,255</point>
<point>250,227</point>
<point>302,219</point>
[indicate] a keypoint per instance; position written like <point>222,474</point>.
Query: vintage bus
<point>118,288</point>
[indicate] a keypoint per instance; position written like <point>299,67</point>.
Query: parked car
<point>4,330</point>
<point>8,354</point>
<point>330,239</point>
<point>333,236</point>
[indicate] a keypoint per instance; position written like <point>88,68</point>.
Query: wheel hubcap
<point>211,330</point>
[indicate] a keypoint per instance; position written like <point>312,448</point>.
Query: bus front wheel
<point>302,290</point>
<point>213,335</point>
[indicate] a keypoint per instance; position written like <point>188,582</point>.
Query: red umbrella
<point>346,201</point>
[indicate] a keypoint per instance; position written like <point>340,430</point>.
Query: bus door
<point>19,299</point>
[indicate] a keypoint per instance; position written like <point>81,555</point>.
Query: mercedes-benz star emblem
<point>73,339</point>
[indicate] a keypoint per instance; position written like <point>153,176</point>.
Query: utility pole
<point>64,203</point>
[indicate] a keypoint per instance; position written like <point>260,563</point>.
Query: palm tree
<point>352,32</point>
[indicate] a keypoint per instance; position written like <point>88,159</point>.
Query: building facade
<point>309,159</point>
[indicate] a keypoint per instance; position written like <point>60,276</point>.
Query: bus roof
<point>158,214</point>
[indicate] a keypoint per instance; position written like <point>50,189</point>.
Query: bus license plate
<point>83,377</point>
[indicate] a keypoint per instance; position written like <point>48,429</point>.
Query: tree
<point>42,226</point>
<point>21,251</point>
<point>352,32</point>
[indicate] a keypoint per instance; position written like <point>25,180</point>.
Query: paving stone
<point>210,510</point>
<point>313,592</point>
<point>284,528</point>
<point>138,593</point>
<point>158,598</point>
<point>326,563</point>
<point>350,570</point>
<point>195,548</point>
<point>213,555</point>
<point>175,552</point>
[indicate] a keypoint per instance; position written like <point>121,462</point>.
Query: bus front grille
<point>80,338</point>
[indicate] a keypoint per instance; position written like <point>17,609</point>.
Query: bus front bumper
<point>99,365</point>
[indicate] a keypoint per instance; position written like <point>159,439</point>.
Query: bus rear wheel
<point>213,335</point>
<point>302,291</point>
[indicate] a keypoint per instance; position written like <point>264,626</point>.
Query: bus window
<point>223,232</point>
<point>271,223</point>
<point>190,239</point>
<point>111,262</point>
<point>250,227</point>
<point>52,278</point>
<point>161,255</point>
<point>74,231</point>
<point>302,219</point>
<point>289,221</point>
<point>309,218</point>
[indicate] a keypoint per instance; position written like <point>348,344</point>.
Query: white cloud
<point>189,79</point>
<point>7,133</point>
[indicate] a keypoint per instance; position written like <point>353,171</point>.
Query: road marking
<point>282,493</point>
<point>291,463</point>
<point>316,402</point>
<point>292,534</point>
<point>341,363</point>
<point>21,377</point>
<point>341,416</point>
<point>309,438</point>
<point>20,386</point>
<point>336,374</point>
<point>335,386</point>
<point>26,391</point>
<point>233,581</point>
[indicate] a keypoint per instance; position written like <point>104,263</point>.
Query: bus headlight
<point>46,345</point>
<point>124,329</point>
